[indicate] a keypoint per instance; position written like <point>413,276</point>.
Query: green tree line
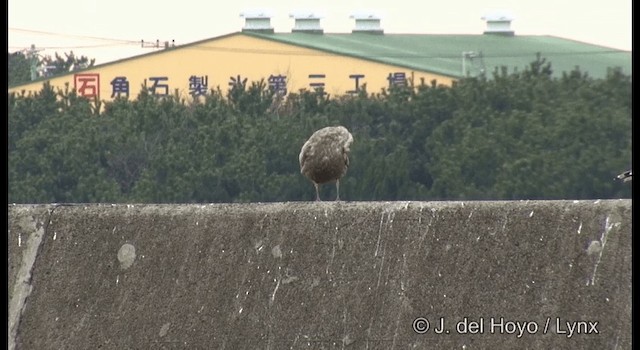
<point>516,135</point>
<point>22,65</point>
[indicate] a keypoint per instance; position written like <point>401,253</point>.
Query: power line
<point>73,36</point>
<point>20,48</point>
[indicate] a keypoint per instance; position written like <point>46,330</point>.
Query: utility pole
<point>32,55</point>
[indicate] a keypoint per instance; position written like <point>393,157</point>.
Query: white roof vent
<point>257,21</point>
<point>307,21</point>
<point>367,22</point>
<point>498,22</point>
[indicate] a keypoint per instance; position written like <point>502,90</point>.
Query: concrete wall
<point>528,274</point>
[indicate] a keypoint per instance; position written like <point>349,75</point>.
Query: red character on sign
<point>87,84</point>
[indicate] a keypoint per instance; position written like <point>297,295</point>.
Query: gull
<point>626,176</point>
<point>325,157</point>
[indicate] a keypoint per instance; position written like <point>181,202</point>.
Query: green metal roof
<point>442,54</point>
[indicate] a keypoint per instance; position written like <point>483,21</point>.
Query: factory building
<point>309,58</point>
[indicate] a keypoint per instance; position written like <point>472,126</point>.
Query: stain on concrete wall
<point>353,275</point>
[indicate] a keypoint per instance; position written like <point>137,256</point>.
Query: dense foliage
<point>518,135</point>
<point>18,68</point>
<point>20,65</point>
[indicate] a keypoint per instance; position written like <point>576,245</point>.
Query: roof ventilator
<point>306,22</point>
<point>257,21</point>
<point>498,22</point>
<point>367,22</point>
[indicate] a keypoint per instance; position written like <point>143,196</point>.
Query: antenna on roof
<point>156,45</point>
<point>472,59</point>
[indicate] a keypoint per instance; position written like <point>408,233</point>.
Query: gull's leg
<point>338,190</point>
<point>317,192</point>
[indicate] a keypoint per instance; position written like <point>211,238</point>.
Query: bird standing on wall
<point>325,157</point>
<point>626,176</point>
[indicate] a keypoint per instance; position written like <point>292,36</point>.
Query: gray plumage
<point>325,157</point>
<point>626,176</point>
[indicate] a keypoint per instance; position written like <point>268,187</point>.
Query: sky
<point>109,30</point>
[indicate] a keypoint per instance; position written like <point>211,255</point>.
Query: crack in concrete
<point>23,288</point>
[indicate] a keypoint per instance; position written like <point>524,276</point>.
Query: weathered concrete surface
<point>321,275</point>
